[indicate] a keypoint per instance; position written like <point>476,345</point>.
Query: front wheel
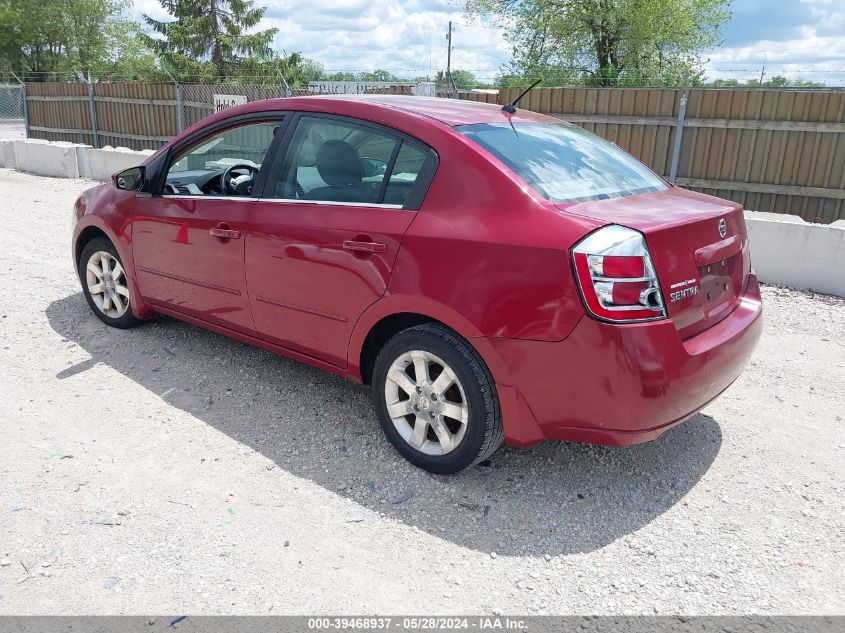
<point>436,399</point>
<point>105,285</point>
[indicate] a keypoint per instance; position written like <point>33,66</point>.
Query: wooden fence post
<point>92,108</point>
<point>180,108</point>
<point>679,135</point>
<point>180,102</point>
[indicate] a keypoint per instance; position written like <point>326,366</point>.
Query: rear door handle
<point>365,247</point>
<point>224,231</point>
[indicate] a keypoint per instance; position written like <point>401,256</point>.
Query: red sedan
<point>495,275</point>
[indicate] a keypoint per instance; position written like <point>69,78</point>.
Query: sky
<point>796,38</point>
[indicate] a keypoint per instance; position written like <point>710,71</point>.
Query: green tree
<point>378,75</point>
<point>296,69</point>
<point>87,39</point>
<point>341,76</point>
<point>215,31</point>
<point>32,38</point>
<point>463,78</point>
<point>607,42</point>
<point>128,58</point>
<point>53,36</point>
<point>725,83</point>
<point>777,81</point>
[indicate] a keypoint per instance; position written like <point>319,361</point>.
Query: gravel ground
<point>171,470</point>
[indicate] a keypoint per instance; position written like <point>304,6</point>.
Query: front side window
<point>335,161</point>
<point>564,163</point>
<point>227,163</point>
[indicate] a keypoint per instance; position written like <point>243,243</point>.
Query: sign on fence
<point>350,87</point>
<point>222,102</point>
<point>421,89</point>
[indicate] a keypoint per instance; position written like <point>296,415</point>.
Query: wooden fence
<point>770,150</point>
<point>134,115</point>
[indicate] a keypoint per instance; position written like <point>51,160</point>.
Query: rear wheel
<point>105,285</point>
<point>436,400</point>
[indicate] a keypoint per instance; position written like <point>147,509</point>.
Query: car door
<point>188,237</point>
<point>322,240</point>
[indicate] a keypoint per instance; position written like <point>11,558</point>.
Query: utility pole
<point>449,51</point>
<point>763,70</point>
<point>449,60</point>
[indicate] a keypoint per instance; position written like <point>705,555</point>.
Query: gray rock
<point>402,498</point>
<point>110,582</point>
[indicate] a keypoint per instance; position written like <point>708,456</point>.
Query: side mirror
<point>373,167</point>
<point>130,179</point>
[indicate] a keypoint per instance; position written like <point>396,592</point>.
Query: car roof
<point>449,111</point>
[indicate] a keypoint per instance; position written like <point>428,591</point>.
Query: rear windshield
<point>564,163</point>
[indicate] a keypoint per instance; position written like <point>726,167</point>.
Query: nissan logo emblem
<point>723,228</point>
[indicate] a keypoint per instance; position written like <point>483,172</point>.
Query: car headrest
<point>339,164</point>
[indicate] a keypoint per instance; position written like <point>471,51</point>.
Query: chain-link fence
<point>200,100</point>
<point>11,102</point>
<point>12,124</point>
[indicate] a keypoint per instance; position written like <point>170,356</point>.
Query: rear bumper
<point>622,384</point>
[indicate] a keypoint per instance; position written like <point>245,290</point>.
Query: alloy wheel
<point>106,281</point>
<point>426,402</point>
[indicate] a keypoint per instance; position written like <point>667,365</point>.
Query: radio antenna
<point>510,108</point>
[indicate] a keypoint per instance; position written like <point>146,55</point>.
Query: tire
<point>115,299</point>
<point>468,408</point>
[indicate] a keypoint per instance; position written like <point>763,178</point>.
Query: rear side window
<point>408,165</point>
<point>564,163</point>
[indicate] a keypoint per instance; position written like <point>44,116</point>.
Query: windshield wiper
<point>510,108</point>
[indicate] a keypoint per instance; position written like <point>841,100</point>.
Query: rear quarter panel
<point>490,249</point>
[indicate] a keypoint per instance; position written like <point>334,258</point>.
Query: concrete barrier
<point>787,251</point>
<point>68,160</point>
<point>100,164</point>
<point>47,159</point>
<point>7,154</point>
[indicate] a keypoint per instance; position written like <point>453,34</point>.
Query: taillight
<point>616,276</point>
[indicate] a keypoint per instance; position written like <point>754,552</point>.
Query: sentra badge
<point>683,290</point>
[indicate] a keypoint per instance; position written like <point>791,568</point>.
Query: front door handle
<point>365,247</point>
<point>224,231</point>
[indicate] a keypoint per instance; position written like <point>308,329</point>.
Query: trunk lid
<point>702,272</point>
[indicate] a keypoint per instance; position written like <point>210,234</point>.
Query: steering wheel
<point>238,185</point>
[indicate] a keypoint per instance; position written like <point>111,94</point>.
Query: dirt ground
<point>167,469</point>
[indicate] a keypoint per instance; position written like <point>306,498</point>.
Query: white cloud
<point>149,7</point>
<point>816,54</point>
<point>407,37</point>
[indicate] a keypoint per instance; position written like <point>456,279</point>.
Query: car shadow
<point>552,499</point>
